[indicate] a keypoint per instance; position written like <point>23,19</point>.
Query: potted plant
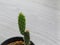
<point>25,40</point>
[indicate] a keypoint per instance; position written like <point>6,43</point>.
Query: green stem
<point>27,38</point>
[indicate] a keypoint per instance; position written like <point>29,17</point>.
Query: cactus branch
<point>21,23</point>
<point>27,37</point>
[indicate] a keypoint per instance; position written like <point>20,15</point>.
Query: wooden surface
<point>43,20</point>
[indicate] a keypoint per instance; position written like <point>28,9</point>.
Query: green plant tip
<point>21,23</point>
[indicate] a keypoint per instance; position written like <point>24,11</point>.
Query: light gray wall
<point>43,20</point>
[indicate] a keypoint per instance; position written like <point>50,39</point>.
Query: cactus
<point>21,23</point>
<point>22,26</point>
<point>27,37</point>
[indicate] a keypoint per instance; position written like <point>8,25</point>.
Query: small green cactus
<point>21,23</point>
<point>22,26</point>
<point>27,37</point>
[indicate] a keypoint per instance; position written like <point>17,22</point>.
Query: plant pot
<point>13,39</point>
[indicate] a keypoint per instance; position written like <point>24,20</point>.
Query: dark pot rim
<point>14,39</point>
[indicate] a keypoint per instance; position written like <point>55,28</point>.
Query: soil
<point>17,43</point>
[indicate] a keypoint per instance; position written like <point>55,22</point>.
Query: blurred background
<point>43,20</point>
